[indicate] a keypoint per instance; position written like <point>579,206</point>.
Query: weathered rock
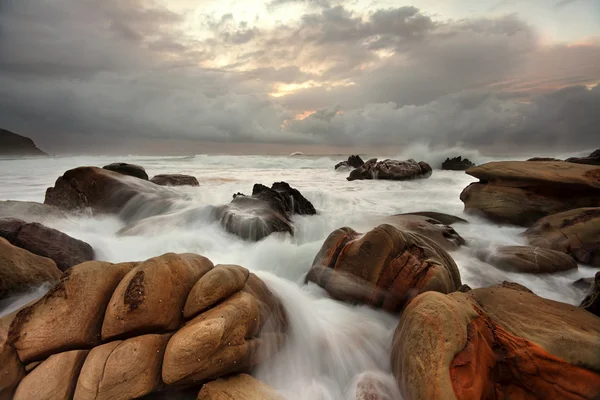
<point>373,386</point>
<point>592,159</point>
<point>150,298</point>
<point>446,219</point>
<point>238,387</point>
<point>575,232</point>
<point>30,211</point>
<point>12,144</point>
<point>495,343</point>
<point>383,268</point>
<point>391,170</point>
<point>134,170</point>
<point>268,210</point>
<point>122,370</point>
<point>55,378</point>
<point>543,159</point>
<point>215,286</point>
<point>353,161</point>
<point>429,227</point>
<point>70,315</point>
<point>12,369</point>
<point>232,337</point>
<point>21,270</point>
<point>584,283</point>
<point>591,302</point>
<point>521,192</point>
<point>457,164</point>
<point>175,180</point>
<point>36,238</point>
<point>528,259</point>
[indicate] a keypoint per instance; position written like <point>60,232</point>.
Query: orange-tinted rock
<point>444,235</point>
<point>12,369</point>
<point>150,298</point>
<point>238,387</point>
<point>70,315</point>
<point>383,268</point>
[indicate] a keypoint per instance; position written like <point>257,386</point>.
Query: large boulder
<point>12,144</point>
<point>535,260</point>
<point>21,270</point>
<point>353,161</point>
<point>575,232</point>
<point>266,211</point>
<point>592,159</point>
<point>384,268</point>
<point>134,170</point>
<point>238,387</point>
<point>391,170</point>
<point>63,249</point>
<point>175,180</point>
<point>521,192</point>
<point>30,211</point>
<point>591,302</point>
<point>13,369</point>
<point>496,343</point>
<point>457,164</point>
<point>444,235</point>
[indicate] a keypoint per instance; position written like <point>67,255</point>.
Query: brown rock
<point>70,315</point>
<point>592,159</point>
<point>22,270</point>
<point>575,232</point>
<point>53,379</point>
<point>521,192</point>
<point>495,343</point>
<point>429,227</point>
<point>384,268</point>
<point>528,259</point>
<point>134,170</point>
<point>591,302</point>
<point>63,249</point>
<point>12,369</point>
<point>216,285</point>
<point>122,370</point>
<point>151,297</point>
<point>238,387</point>
<point>175,180</point>
<point>30,211</point>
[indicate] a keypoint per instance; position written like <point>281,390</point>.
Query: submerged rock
<point>528,259</point>
<point>457,164</point>
<point>353,161</point>
<point>496,342</point>
<point>521,192</point>
<point>134,170</point>
<point>391,170</point>
<point>12,144</point>
<point>175,180</point>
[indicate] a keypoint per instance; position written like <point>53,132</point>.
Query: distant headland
<point>12,144</point>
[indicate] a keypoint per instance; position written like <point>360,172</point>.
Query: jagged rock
<point>21,270</point>
<point>592,301</point>
<point>521,192</point>
<point>175,180</point>
<point>12,144</point>
<point>391,170</point>
<point>36,238</point>
<point>238,387</point>
<point>592,159</point>
<point>528,259</point>
<point>575,232</point>
<point>353,161</point>
<point>134,170</point>
<point>384,268</point>
<point>457,164</point>
<point>495,342</point>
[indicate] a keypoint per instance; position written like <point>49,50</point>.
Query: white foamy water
<point>331,345</point>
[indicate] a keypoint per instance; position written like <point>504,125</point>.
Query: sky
<point>136,75</point>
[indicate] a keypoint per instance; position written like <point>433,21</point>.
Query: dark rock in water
<point>543,159</point>
<point>266,211</point>
<point>128,169</point>
<point>592,300</point>
<point>391,170</point>
<point>446,219</point>
<point>584,283</point>
<point>592,159</point>
<point>457,164</point>
<point>63,249</point>
<point>30,211</point>
<point>353,161</point>
<point>12,144</point>
<point>175,180</point>
<point>528,259</point>
<point>464,288</point>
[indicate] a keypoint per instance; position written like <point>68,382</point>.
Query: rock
<point>391,170</point>
<point>12,144</point>
<point>446,219</point>
<point>238,387</point>
<point>232,337</point>
<point>584,283</point>
<point>21,270</point>
<point>136,171</point>
<point>175,180</point>
<point>126,369</point>
<point>30,211</point>
<point>521,192</point>
<point>457,164</point>
<point>55,378</point>
<point>384,268</point>
<point>150,298</point>
<point>373,386</point>
<point>543,159</point>
<point>268,210</point>
<point>575,232</point>
<point>353,161</point>
<point>496,343</point>
<point>591,302</point>
<point>36,238</point>
<point>528,259</point>
<point>70,315</point>
<point>592,159</point>
<point>433,229</point>
<point>12,368</point>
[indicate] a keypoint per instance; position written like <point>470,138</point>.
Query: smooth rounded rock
<point>528,259</point>
<point>238,387</point>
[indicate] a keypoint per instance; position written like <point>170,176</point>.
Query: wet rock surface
<point>457,164</point>
<point>354,161</point>
<point>134,170</point>
<point>391,170</point>
<point>175,180</point>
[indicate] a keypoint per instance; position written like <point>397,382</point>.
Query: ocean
<point>331,344</point>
